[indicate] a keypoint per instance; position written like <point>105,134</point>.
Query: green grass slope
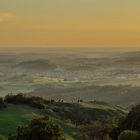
<point>15,115</point>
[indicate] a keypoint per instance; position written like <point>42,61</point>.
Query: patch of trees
<point>132,120</point>
<point>36,102</point>
<point>2,103</point>
<point>39,129</point>
<point>126,129</point>
<point>97,130</point>
<point>129,127</point>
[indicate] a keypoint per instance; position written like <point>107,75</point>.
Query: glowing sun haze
<point>70,22</point>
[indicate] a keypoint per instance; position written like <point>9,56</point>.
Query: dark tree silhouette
<point>39,129</point>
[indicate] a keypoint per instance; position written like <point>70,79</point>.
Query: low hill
<point>74,113</point>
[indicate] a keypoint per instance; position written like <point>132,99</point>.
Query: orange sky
<point>93,23</point>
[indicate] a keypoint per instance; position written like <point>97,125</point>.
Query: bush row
<point>36,102</point>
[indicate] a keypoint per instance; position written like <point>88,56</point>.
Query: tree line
<point>36,102</point>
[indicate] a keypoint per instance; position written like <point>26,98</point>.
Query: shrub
<point>129,135</point>
<point>96,130</point>
<point>36,102</point>
<point>2,137</point>
<point>39,129</point>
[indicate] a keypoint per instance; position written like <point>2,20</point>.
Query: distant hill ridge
<point>40,64</point>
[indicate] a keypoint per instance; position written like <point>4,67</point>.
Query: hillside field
<point>63,113</point>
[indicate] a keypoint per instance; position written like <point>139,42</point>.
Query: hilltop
<point>67,115</point>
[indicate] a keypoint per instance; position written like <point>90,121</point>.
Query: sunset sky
<point>114,23</point>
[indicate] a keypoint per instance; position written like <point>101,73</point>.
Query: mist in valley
<point>110,75</point>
